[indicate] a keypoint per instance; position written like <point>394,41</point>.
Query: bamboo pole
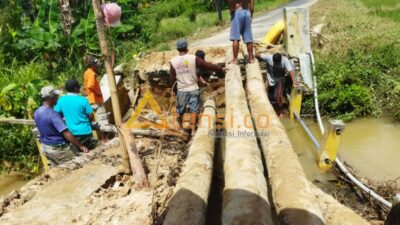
<point>107,61</point>
<point>127,160</point>
<point>188,205</point>
<point>245,195</point>
<point>29,122</point>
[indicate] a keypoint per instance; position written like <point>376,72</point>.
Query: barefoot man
<point>241,16</point>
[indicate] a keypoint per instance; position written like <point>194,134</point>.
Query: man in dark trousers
<point>58,144</point>
<point>183,71</point>
<point>241,16</point>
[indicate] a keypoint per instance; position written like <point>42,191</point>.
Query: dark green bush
<point>18,150</point>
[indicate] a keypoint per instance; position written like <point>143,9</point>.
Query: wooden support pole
<point>130,157</point>
<point>245,195</point>
<point>188,205</point>
<point>107,61</point>
<point>17,121</point>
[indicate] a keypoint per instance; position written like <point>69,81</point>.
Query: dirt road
<point>261,25</point>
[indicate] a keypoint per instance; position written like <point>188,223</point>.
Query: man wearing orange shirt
<point>93,91</point>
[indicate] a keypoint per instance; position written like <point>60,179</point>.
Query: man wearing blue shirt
<point>78,113</point>
<point>54,136</point>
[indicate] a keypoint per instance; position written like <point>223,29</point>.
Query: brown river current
<point>371,147</point>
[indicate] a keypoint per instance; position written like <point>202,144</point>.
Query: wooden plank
<point>17,121</point>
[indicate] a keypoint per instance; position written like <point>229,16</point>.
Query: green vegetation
<point>34,52</point>
<point>358,69</point>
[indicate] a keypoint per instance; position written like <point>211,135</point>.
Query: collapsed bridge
<point>252,176</point>
<point>263,181</point>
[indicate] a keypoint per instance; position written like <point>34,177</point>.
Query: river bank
<point>357,59</point>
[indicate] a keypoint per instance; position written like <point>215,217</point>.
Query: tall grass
<point>389,9</point>
<point>359,67</point>
<point>380,3</point>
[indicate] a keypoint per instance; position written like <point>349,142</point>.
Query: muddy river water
<point>10,183</point>
<point>371,147</point>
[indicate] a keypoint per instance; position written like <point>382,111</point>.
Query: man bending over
<point>278,67</point>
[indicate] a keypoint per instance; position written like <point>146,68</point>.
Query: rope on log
<point>188,205</point>
<point>245,195</point>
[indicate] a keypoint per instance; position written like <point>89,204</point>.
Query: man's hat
<point>49,91</point>
<point>181,43</point>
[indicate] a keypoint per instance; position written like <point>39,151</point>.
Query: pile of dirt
<point>154,67</point>
<point>118,201</point>
<point>19,197</point>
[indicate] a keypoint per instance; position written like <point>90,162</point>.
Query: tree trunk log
<point>245,195</point>
<point>66,16</point>
<point>135,163</point>
<point>297,201</point>
<point>294,201</point>
<point>188,205</point>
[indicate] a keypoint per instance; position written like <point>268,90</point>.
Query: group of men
<point>65,123</point>
<point>184,67</point>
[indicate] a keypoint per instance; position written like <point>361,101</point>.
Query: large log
<point>135,162</point>
<point>188,205</point>
<point>297,200</point>
<point>245,195</point>
<point>294,201</point>
<point>334,212</point>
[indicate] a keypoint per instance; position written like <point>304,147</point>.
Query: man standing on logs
<point>183,72</point>
<point>241,16</point>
